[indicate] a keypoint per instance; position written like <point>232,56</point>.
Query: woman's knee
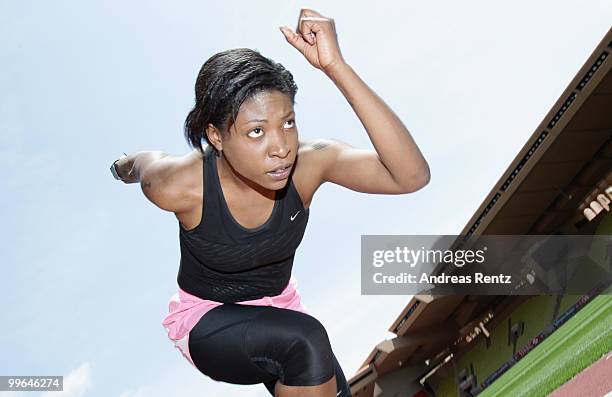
<point>293,345</point>
<point>290,330</point>
<point>310,359</point>
<point>311,338</point>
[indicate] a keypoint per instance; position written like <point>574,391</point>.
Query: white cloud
<point>76,383</point>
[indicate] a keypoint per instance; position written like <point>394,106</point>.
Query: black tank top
<point>225,262</point>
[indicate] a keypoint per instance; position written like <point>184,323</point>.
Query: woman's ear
<point>214,137</point>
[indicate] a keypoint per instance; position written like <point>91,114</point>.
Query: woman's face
<point>262,144</point>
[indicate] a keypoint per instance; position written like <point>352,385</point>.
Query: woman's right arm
<point>130,168</point>
<point>164,179</point>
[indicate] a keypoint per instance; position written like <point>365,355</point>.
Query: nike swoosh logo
<point>295,215</point>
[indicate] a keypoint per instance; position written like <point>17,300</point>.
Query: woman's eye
<point>289,123</point>
<point>256,133</point>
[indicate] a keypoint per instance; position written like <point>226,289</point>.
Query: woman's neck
<point>238,182</point>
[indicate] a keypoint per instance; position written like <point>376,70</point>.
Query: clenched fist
<point>315,37</point>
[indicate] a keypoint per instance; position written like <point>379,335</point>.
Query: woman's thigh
<point>245,344</point>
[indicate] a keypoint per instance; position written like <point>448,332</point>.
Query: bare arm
<point>131,168</point>
<point>164,179</point>
<point>397,165</point>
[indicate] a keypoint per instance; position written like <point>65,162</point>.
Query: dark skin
<point>177,183</point>
<point>250,149</point>
<point>264,138</point>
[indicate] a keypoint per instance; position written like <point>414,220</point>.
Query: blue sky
<point>89,263</point>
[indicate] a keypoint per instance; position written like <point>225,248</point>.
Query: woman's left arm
<point>397,165</point>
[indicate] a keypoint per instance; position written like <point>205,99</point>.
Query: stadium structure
<point>465,345</point>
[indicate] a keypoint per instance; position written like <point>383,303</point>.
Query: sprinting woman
<point>242,199</point>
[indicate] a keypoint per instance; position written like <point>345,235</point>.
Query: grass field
<point>573,347</point>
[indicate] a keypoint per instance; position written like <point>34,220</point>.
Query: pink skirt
<point>185,310</point>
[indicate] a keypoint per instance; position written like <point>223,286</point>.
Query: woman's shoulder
<point>178,182</point>
<point>315,154</point>
<point>190,176</point>
<point>188,171</point>
<point>191,170</point>
<point>318,148</point>
<point>306,145</point>
<point>308,175</point>
<point>306,156</point>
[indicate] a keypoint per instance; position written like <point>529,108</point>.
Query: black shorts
<point>244,344</point>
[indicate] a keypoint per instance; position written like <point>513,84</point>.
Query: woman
<point>242,204</point>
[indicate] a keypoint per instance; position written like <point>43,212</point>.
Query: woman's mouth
<point>280,173</point>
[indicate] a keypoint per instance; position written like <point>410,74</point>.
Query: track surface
<point>581,341</point>
<point>595,381</point>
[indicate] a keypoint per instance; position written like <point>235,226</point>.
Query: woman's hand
<point>122,167</point>
<point>316,39</point>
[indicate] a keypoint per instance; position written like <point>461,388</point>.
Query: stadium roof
<point>561,167</point>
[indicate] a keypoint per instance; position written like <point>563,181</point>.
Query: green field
<point>577,344</point>
<point>581,341</point>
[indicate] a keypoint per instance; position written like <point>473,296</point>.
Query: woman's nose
<point>279,145</point>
